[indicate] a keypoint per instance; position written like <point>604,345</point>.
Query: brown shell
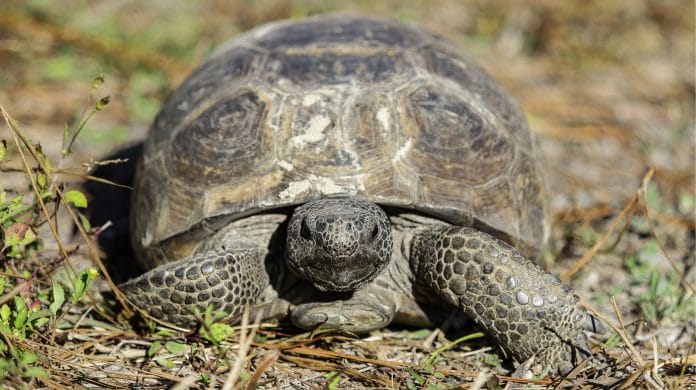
<point>337,106</point>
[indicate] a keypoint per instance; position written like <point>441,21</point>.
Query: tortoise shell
<point>336,106</point>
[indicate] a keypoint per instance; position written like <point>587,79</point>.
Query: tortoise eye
<point>305,232</point>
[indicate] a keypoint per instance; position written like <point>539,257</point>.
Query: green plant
<point>32,309</point>
<point>332,380</point>
<point>15,235</point>
<point>19,363</point>
<point>662,296</point>
<point>174,347</point>
<point>213,330</point>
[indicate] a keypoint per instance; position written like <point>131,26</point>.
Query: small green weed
<point>662,297</point>
<point>33,297</point>
<point>19,363</point>
<point>332,380</point>
<point>213,330</point>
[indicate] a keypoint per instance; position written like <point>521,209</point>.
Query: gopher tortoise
<point>349,173</point>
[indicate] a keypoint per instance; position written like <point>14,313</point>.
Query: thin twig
<point>270,358</point>
<point>245,341</point>
<point>580,263</point>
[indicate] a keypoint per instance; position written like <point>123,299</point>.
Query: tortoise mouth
<point>339,273</point>
<point>340,279</point>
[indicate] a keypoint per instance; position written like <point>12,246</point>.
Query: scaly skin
<point>528,311</point>
<point>227,279</point>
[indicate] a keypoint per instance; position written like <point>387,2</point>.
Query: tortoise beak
<point>341,279</point>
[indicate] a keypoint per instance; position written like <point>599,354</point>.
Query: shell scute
<point>453,139</point>
<point>325,66</point>
<point>223,141</point>
<point>231,68</point>
<point>339,30</point>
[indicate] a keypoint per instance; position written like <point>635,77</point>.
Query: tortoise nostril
<point>305,232</point>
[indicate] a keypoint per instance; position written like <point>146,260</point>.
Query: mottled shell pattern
<point>336,106</point>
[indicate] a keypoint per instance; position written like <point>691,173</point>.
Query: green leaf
<point>175,347</point>
<point>77,198</point>
<point>163,332</point>
<point>218,332</point>
<point>39,322</point>
<point>29,237</point>
<point>14,207</point>
<point>14,252</point>
<point>3,150</point>
<point>85,223</point>
<point>35,372</point>
<point>84,279</point>
<point>416,376</point>
<point>154,348</point>
<point>27,358</point>
<point>47,195</point>
<point>58,298</point>
<point>166,363</point>
<point>5,312</point>
<point>21,312</point>
<point>36,315</point>
<point>209,317</point>
<point>332,380</point>
<point>41,181</point>
<point>47,163</point>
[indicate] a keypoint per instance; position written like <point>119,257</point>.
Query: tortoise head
<point>338,244</point>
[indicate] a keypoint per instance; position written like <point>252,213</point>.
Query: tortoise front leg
<point>228,279</point>
<point>528,311</point>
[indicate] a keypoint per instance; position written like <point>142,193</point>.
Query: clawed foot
<point>527,310</point>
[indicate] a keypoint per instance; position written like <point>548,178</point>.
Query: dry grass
<point>607,86</point>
